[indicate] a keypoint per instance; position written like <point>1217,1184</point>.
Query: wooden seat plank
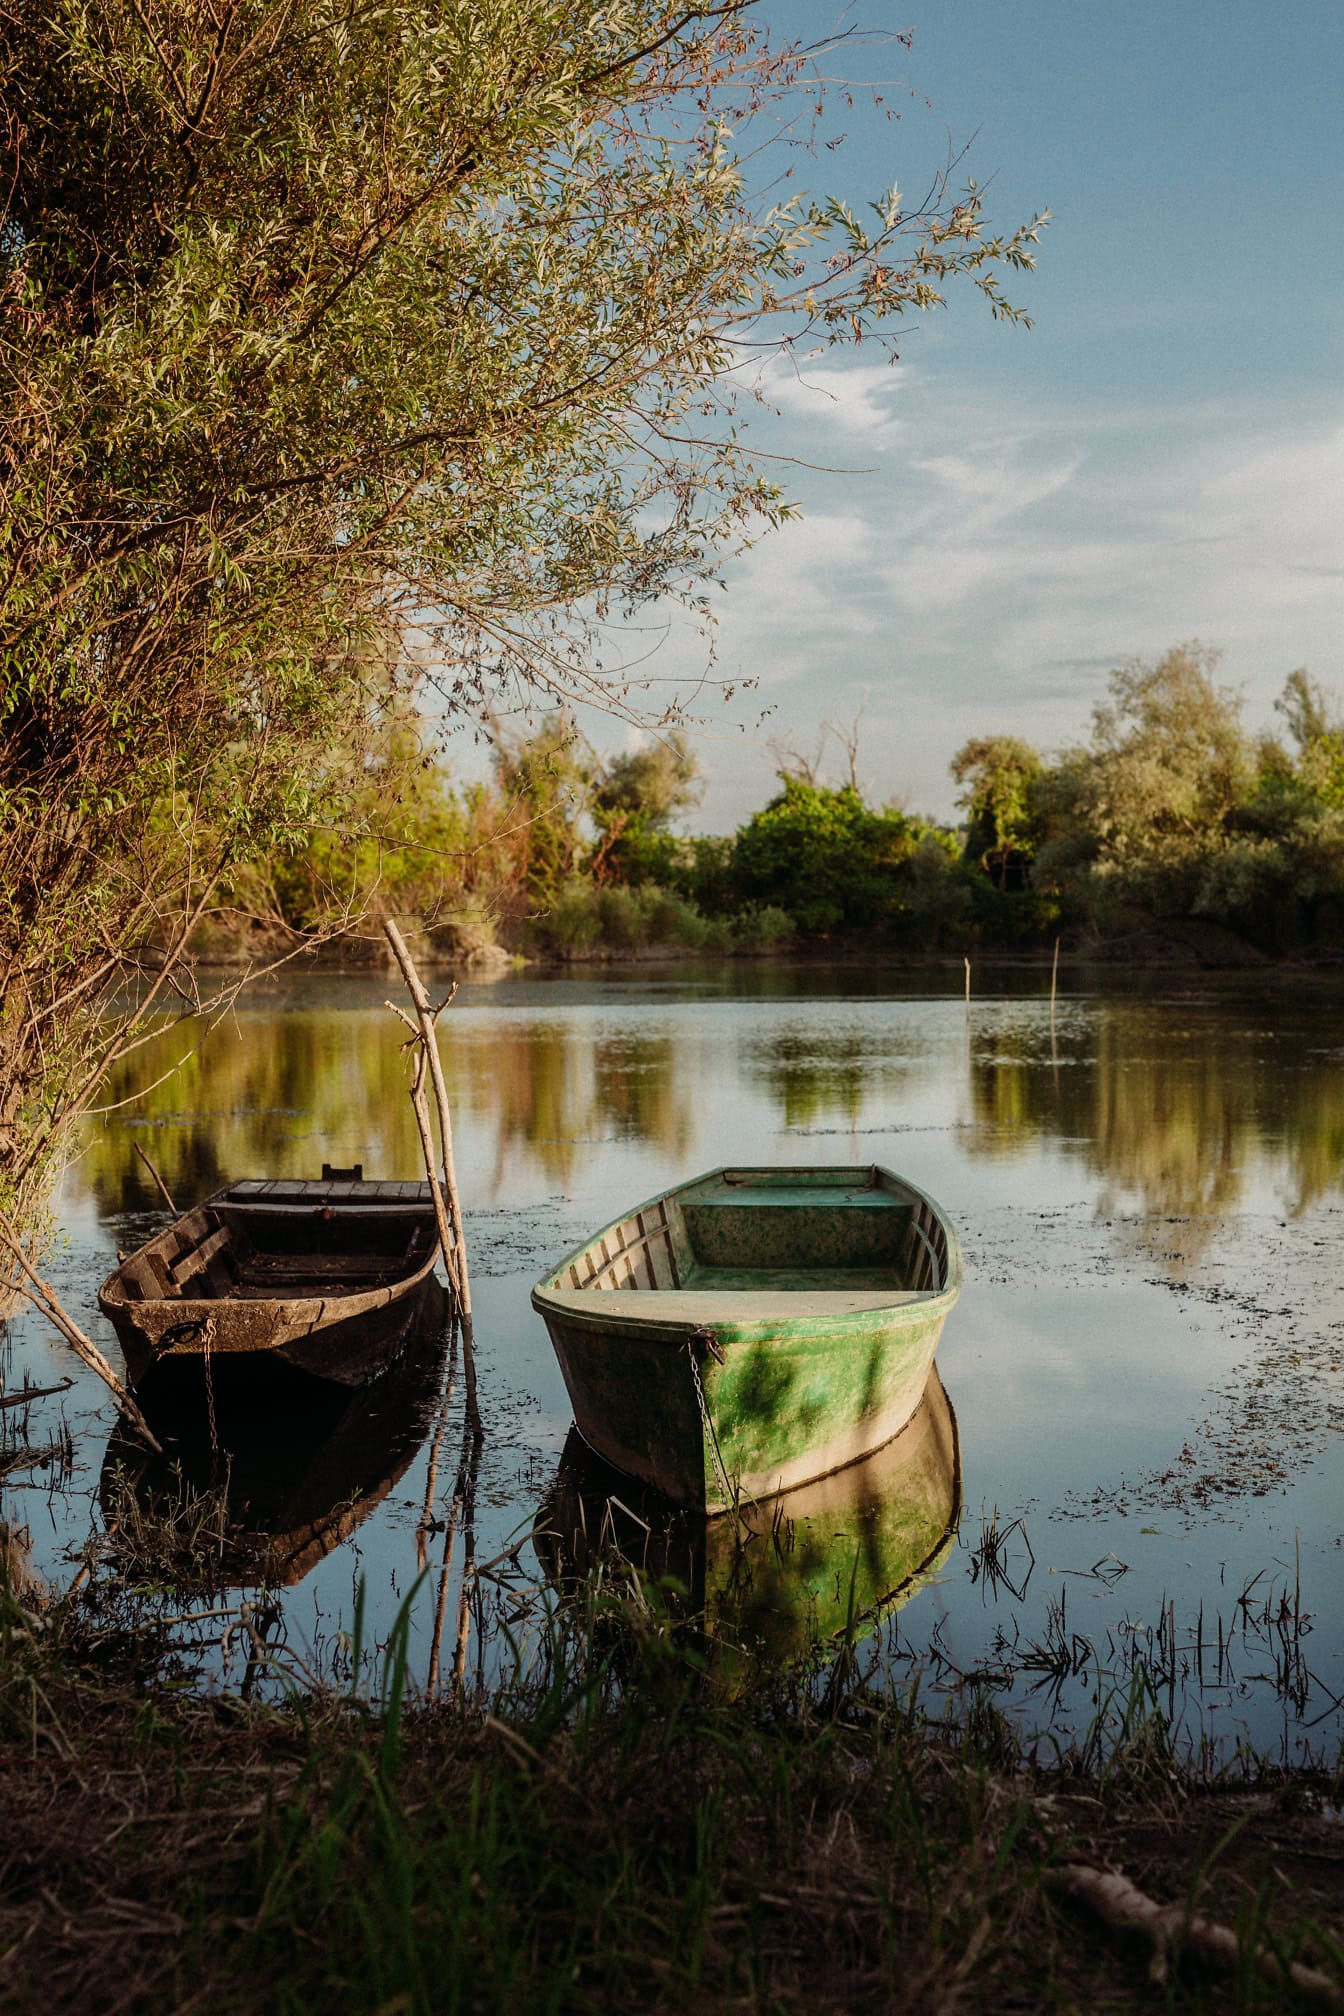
<point>200,1256</point>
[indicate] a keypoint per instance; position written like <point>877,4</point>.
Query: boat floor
<point>790,1280</point>
<point>268,1279</point>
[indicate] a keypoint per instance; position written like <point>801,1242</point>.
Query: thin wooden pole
<point>1054,979</point>
<point>452,1237</point>
<point>968,983</point>
<point>453,1256</point>
<point>420,1108</point>
<point>426,1016</point>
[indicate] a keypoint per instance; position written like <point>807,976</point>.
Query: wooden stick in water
<point>426,1017</point>
<point>27,1394</point>
<point>452,1237</point>
<point>163,1187</point>
<point>453,1255</point>
<point>420,1108</point>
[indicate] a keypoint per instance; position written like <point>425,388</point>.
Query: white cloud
<point>995,482</point>
<point>853,400</point>
<point>815,578</point>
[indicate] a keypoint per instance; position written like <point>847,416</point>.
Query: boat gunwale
<point>112,1294</point>
<point>672,1312</point>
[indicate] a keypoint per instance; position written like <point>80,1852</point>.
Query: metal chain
<point>207,1339</point>
<point>716,1453</point>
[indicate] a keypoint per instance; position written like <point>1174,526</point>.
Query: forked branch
<point>447,1204</point>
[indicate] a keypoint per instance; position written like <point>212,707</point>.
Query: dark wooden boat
<point>326,1276</point>
<point>754,1329</point>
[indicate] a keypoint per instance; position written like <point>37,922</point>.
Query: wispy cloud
<point>854,401</point>
<point>992,483</point>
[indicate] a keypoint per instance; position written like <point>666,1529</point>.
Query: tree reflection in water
<point>1218,1107</point>
<point>1168,1107</point>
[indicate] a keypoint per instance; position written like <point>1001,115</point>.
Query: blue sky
<point>1161,457</point>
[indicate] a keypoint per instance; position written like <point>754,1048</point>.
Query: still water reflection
<point>1144,1365</point>
<point>280,1470</point>
<point>834,1558</point>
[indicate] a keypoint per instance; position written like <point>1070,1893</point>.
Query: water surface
<point>1144,1367</point>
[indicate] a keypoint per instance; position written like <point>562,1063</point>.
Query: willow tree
<point>342,339</point>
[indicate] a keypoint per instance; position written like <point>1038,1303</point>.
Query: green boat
<point>753,1329</point>
<point>834,1557</point>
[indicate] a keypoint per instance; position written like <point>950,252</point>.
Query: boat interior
<point>797,1230</point>
<point>247,1246</point>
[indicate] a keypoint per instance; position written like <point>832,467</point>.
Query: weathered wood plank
<point>200,1256</point>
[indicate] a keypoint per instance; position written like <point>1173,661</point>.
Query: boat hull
<point>317,1337</point>
<point>717,1395</point>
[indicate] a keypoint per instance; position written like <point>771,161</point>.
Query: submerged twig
<point>26,1394</point>
<point>28,1457</point>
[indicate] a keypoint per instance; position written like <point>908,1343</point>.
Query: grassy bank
<point>616,1835</point>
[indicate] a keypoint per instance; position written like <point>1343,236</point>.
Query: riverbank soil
<point>680,1854</point>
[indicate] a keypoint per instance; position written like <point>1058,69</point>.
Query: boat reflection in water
<point>299,1463</point>
<point>790,1572</point>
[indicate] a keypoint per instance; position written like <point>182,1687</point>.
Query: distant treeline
<point>1172,813</point>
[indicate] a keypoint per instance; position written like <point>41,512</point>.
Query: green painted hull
<point>754,1329</point>
<point>802,1570</point>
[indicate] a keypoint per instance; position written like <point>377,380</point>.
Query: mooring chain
<point>207,1339</point>
<point>707,1338</point>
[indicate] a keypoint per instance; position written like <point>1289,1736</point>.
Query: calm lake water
<point>1144,1368</point>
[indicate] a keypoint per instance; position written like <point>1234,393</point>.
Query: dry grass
<point>666,1851</point>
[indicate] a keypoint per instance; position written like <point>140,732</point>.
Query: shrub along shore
<point>617,1835</point>
<point>1174,833</point>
